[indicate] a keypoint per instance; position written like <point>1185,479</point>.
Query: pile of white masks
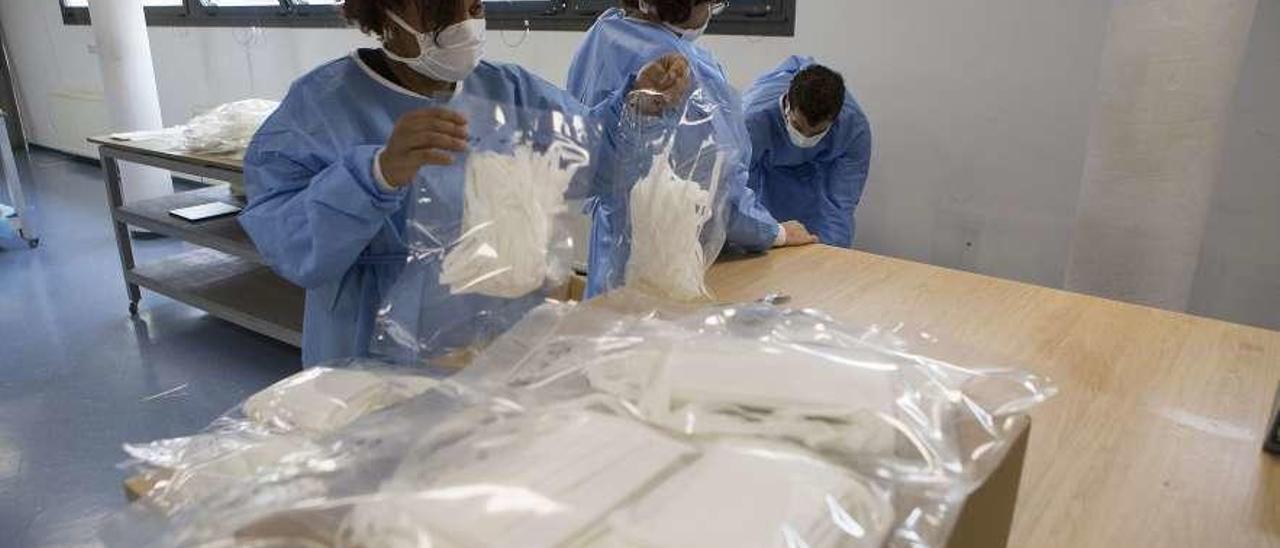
<point>624,422</point>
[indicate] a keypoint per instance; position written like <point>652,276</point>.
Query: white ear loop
<point>512,201</point>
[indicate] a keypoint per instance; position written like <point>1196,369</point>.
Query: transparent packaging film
<point>669,210</point>
<point>631,422</point>
<point>490,236</point>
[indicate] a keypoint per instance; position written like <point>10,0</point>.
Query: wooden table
<point>225,276</point>
<point>1155,438</point>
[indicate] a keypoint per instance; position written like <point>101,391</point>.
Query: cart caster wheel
<point>133,309</point>
<point>33,243</point>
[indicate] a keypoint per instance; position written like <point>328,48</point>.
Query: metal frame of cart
<point>225,276</point>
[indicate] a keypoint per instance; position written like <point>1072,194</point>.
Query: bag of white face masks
<point>281,422</point>
<point>536,481</point>
<point>513,202</point>
<point>548,441</point>
<point>322,399</point>
<point>491,236</point>
<point>752,494</point>
<point>672,221</point>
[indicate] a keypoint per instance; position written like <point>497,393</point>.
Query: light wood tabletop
<point>1155,438</point>
<point>166,149</point>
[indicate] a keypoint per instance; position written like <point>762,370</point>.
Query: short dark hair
<point>371,15</point>
<point>817,92</point>
<point>669,11</point>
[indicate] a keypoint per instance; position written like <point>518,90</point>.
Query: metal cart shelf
<point>226,278</point>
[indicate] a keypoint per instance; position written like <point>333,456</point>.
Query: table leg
<point>115,199</point>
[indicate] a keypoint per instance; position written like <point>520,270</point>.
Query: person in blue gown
<point>620,43</point>
<point>328,172</point>
<point>810,148</point>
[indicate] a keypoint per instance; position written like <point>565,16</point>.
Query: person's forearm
<point>311,229</point>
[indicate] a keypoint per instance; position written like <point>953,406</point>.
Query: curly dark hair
<point>818,92</point>
<point>669,11</point>
<point>371,15</point>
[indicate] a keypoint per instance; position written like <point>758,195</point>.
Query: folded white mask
<point>755,494</point>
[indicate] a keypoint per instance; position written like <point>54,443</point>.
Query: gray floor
<point>77,374</point>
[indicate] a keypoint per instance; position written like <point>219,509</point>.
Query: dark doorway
<point>9,97</point>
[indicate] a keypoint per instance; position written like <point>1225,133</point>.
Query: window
<point>85,3</point>
<point>224,13</point>
<point>757,17</point>
<point>76,12</point>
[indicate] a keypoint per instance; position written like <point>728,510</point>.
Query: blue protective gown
<point>819,186</point>
<point>320,219</point>
<point>613,52</point>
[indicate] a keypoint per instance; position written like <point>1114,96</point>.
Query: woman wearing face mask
<point>328,173</point>
<point>619,44</point>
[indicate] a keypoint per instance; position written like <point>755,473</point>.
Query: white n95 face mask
<point>689,35</point>
<point>460,49</point>
<point>799,139</point>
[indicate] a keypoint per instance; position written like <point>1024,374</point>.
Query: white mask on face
<point>689,35</point>
<point>460,49</point>
<point>799,139</point>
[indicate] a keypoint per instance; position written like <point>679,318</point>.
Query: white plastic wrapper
<point>489,237</point>
<point>227,128</point>
<point>618,423</point>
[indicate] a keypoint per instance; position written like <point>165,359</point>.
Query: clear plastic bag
<point>926,431</point>
<point>489,237</point>
<point>618,423</point>
<point>669,216</point>
<point>277,424</point>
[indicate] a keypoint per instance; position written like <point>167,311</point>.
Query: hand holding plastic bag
<point>489,236</point>
<point>675,210</point>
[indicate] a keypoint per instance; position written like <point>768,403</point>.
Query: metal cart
<point>13,186</point>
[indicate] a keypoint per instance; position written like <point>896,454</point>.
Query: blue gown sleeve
<point>749,225</point>
<point>848,179</point>
<point>758,129</point>
<point>311,214</point>
<point>615,147</point>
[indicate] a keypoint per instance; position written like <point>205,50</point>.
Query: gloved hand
<point>422,137</point>
<point>661,84</point>
<point>797,234</point>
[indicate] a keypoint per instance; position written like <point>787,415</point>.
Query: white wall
<point>980,108</point>
<point>1167,83</point>
<point>1239,273</point>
